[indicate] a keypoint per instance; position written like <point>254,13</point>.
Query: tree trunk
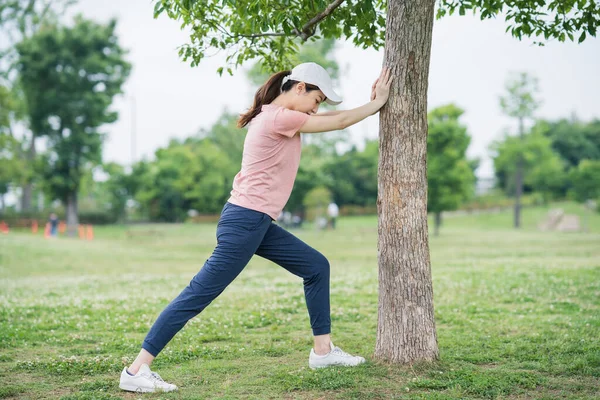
<point>518,191</point>
<point>438,223</point>
<point>519,180</point>
<point>2,204</point>
<point>72,218</point>
<point>406,327</point>
<point>28,187</point>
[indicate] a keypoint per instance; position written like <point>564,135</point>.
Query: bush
<point>497,200</point>
<point>316,201</point>
<point>97,217</point>
<point>351,209</point>
<point>25,219</point>
<point>203,218</point>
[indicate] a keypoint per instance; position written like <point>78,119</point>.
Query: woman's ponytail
<point>264,95</point>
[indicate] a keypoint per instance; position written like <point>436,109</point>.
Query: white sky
<point>470,63</point>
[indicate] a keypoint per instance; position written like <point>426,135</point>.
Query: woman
<point>285,106</point>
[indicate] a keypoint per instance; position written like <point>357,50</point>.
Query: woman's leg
<point>239,233</point>
<point>285,249</point>
<point>142,358</point>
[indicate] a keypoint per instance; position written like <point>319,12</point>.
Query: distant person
<point>287,219</point>
<point>284,219</point>
<point>321,223</point>
<point>332,212</point>
<point>53,224</point>
<point>296,221</point>
<point>285,106</point>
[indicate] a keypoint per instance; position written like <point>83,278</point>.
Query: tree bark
<point>72,218</point>
<point>406,327</point>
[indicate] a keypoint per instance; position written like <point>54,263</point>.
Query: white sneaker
<point>145,381</point>
<point>336,357</point>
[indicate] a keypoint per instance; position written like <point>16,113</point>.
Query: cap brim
<point>332,97</point>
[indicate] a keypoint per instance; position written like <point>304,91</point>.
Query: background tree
<point>316,202</point>
<point>20,20</point>
<point>450,178</point>
<point>353,176</point>
<point>586,185</point>
<point>310,175</point>
<point>192,174</point>
<point>586,181</point>
<point>268,30</point>
<point>70,76</point>
<point>572,140</point>
<point>115,192</point>
<point>520,103</point>
<point>12,167</point>
<point>227,137</point>
<point>543,169</point>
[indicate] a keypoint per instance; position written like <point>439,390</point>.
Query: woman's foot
<point>145,381</point>
<point>335,357</point>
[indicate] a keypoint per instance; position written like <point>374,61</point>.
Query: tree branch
<point>45,10</point>
<point>305,32</point>
<point>253,36</point>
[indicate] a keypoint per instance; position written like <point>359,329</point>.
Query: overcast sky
<point>470,63</point>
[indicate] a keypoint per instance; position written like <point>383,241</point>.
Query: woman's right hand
<point>381,88</point>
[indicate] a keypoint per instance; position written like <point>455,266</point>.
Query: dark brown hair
<point>267,93</point>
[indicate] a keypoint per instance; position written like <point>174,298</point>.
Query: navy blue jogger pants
<point>241,233</point>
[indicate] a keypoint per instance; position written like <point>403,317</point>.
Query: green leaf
<point>582,37</point>
<point>158,8</point>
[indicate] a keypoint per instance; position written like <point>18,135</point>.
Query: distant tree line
<point>57,83</point>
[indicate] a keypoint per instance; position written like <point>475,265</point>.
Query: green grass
<point>517,314</point>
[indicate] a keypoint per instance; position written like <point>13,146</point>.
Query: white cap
<point>314,74</point>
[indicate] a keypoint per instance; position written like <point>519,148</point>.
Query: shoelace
<point>156,377</point>
<point>338,351</point>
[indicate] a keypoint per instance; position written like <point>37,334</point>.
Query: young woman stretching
<point>285,106</point>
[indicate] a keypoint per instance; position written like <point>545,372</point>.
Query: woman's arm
<point>344,119</point>
<point>328,113</point>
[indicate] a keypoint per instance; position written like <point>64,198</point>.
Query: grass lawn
<point>517,314</point>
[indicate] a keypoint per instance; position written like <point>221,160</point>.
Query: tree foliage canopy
<point>272,30</point>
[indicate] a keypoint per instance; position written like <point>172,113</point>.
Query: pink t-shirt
<point>270,162</point>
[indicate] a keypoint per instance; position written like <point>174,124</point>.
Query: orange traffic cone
<point>62,227</point>
<point>3,227</point>
<point>90,232</point>
<point>34,227</point>
<point>47,231</point>
<point>81,232</point>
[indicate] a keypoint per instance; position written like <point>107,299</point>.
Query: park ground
<point>517,314</point>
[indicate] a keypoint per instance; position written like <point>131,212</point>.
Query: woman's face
<point>307,102</point>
